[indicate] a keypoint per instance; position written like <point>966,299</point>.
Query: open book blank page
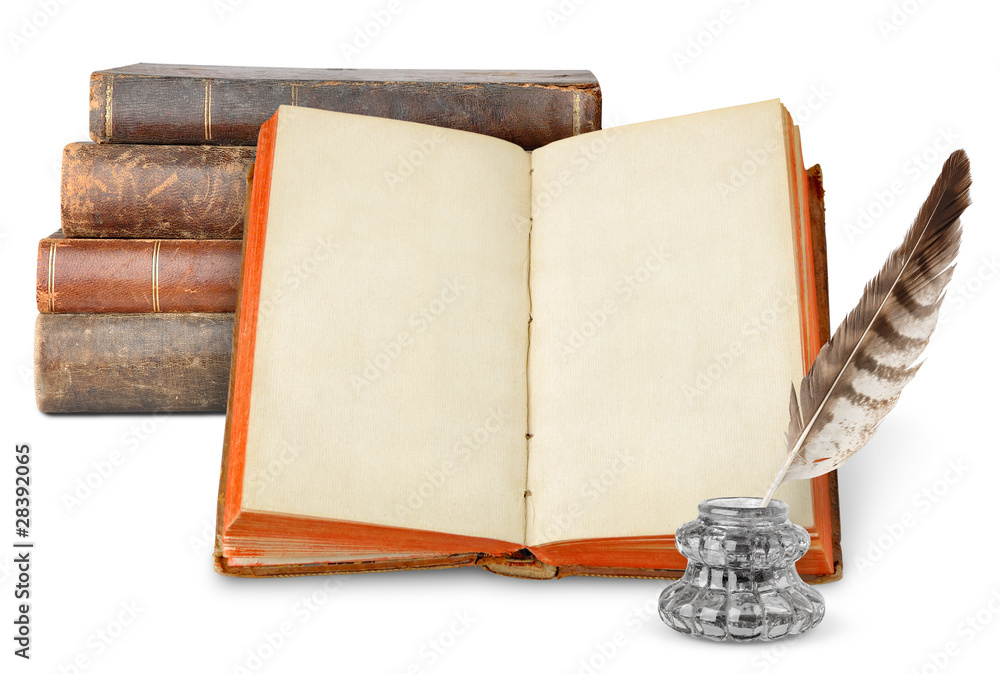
<point>389,376</point>
<point>666,326</point>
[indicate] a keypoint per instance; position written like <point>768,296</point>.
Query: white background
<point>874,85</point>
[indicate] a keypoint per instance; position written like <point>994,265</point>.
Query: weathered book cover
<point>132,362</point>
<point>154,191</point>
<point>222,105</point>
<point>136,275</point>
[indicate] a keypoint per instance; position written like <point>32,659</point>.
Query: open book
<point>452,351</point>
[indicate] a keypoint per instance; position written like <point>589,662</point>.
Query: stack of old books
<point>136,292</point>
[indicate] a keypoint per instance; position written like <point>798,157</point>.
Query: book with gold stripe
<point>226,105</point>
<point>136,275</point>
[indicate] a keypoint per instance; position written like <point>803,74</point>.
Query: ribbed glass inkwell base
<point>740,583</point>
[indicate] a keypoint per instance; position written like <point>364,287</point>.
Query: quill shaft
<point>777,480</point>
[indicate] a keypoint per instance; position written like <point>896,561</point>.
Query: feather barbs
<point>858,375</point>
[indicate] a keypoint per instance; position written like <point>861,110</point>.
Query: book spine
<point>154,191</point>
<point>137,275</point>
<point>182,109</point>
<point>132,362</point>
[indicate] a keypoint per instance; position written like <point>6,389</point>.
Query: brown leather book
<point>132,362</point>
<point>545,406</point>
<point>136,275</point>
<point>225,105</point>
<point>154,191</point>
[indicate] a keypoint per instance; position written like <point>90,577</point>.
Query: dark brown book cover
<point>132,362</point>
<point>137,275</point>
<point>154,191</point>
<point>223,105</point>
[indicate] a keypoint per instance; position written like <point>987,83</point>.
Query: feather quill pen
<point>858,375</point>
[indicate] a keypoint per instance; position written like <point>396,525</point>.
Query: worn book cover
<point>154,191</point>
<point>136,275</point>
<point>225,105</point>
<point>132,362</point>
